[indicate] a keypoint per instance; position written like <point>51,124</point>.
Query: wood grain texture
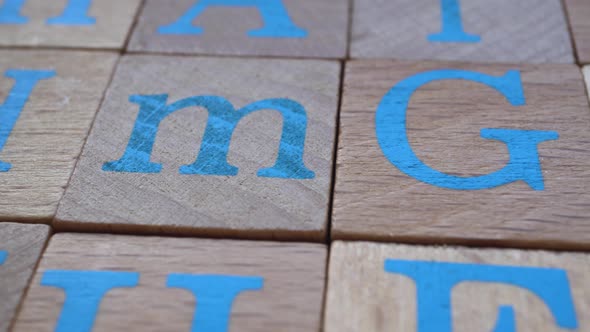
<point>374,200</point>
<point>363,297</point>
<point>226,30</point>
<point>23,244</point>
<point>113,23</point>
<point>579,12</point>
<point>530,31</point>
<point>291,299</point>
<point>51,129</point>
<point>245,205</point>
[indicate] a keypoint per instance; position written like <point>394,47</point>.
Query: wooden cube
<point>507,31</point>
<point>389,287</point>
<point>49,99</point>
<point>251,157</point>
<point>463,153</point>
<point>152,284</point>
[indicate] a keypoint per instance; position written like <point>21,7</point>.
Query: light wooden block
<point>579,12</point>
<point>244,205</point>
<point>20,248</point>
<point>105,25</point>
<point>50,130</point>
<point>383,287</point>
<point>226,29</point>
<point>290,298</point>
<point>379,199</point>
<point>529,31</point>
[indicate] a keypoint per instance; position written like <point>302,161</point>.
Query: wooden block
<point>49,100</point>
<point>67,23</point>
<point>294,28</point>
<point>528,31</point>
<point>579,12</point>
<point>587,76</point>
<point>273,286</point>
<point>451,167</point>
<point>385,287</point>
<point>226,191</point>
<point>20,248</point>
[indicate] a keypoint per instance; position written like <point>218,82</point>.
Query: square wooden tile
<point>293,28</point>
<point>67,23</point>
<point>215,195</point>
<point>20,248</point>
<point>387,287</point>
<point>263,286</point>
<point>48,101</point>
<point>437,168</point>
<point>579,12</point>
<point>530,31</point>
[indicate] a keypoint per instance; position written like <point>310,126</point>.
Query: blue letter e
<point>524,164</point>
<point>435,281</point>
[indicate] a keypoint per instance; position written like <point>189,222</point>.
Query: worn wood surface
<point>21,245</point>
<point>225,30</point>
<point>579,12</point>
<point>362,296</point>
<point>245,205</point>
<point>291,298</point>
<point>50,131</point>
<point>113,20</point>
<point>529,31</point>
<point>374,200</point>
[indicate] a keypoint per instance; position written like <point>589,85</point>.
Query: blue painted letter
<point>84,290</point>
<point>522,145</point>
<point>10,12</point>
<point>75,13</point>
<point>25,81</point>
<point>215,295</point>
<point>435,281</point>
<point>222,120</point>
<point>3,256</point>
<point>277,23</point>
<point>452,25</point>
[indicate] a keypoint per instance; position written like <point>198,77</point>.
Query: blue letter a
<point>215,295</point>
<point>75,13</point>
<point>84,290</point>
<point>25,81</point>
<point>277,22</point>
<point>222,120</point>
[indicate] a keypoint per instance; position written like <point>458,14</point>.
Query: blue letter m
<point>221,123</point>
